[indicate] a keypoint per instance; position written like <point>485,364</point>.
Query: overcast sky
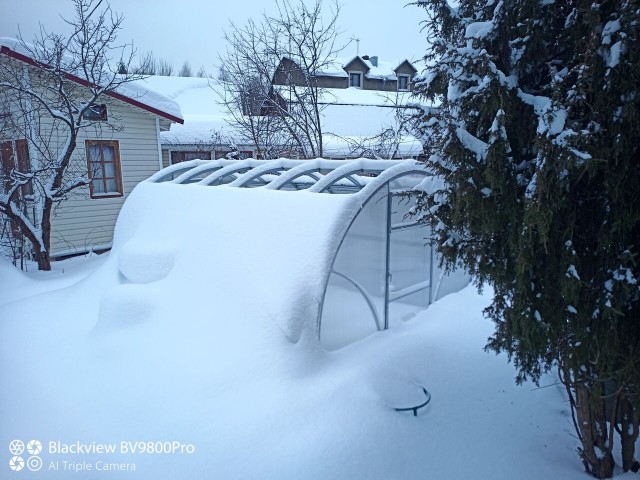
<point>179,30</point>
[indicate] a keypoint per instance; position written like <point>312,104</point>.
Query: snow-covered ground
<point>277,413</point>
<point>16,284</point>
<point>195,341</point>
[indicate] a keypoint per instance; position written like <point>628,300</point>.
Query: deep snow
<point>277,413</point>
<point>192,331</point>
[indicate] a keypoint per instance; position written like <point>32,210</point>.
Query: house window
<point>245,154</point>
<point>355,79</point>
<point>403,83</point>
<point>96,113</point>
<point>103,162</point>
<point>177,157</point>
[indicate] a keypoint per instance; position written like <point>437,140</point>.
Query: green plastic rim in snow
<point>417,407</point>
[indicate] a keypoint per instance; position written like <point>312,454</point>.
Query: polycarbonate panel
<point>409,259</point>
<point>409,262</point>
<point>400,208</point>
<point>346,317</point>
<point>446,283</point>
<point>362,259</point>
<point>407,307</point>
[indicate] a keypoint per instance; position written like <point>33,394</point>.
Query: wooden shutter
<point>24,164</point>
<point>8,163</point>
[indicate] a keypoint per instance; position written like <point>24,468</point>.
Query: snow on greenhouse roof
<point>132,93</point>
<point>361,177</point>
<point>336,190</point>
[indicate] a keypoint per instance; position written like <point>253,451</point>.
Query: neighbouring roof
<point>385,70</point>
<point>133,93</point>
<point>199,103</point>
<point>349,115</point>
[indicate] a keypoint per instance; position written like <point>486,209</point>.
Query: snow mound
<point>145,262</point>
<point>123,306</point>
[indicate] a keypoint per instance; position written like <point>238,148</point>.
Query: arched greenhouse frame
<point>382,270</point>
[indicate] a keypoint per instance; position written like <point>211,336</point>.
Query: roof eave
<point>4,50</point>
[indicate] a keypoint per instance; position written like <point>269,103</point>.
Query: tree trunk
<point>44,261</point>
<point>42,255</point>
<point>628,433</point>
<point>596,450</point>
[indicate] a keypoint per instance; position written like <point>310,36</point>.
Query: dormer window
<point>96,113</point>
<point>403,83</point>
<point>355,79</point>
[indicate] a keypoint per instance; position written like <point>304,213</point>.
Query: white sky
<point>179,30</point>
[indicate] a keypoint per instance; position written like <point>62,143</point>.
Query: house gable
<point>288,72</point>
<point>357,64</point>
<point>405,68</point>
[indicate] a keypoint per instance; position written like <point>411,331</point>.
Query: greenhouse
<point>377,268</point>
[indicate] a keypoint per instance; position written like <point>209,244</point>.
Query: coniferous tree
<point>535,151</point>
<point>122,68</point>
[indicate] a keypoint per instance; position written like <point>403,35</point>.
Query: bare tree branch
<point>47,105</point>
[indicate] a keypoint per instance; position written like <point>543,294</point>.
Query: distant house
<point>364,72</point>
<point>117,159</point>
<point>353,118</point>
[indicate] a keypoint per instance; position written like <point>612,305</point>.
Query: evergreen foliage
<point>535,151</point>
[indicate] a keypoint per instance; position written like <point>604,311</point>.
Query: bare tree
<point>185,70</point>
<point>148,65</point>
<point>403,126</point>
<point>51,99</point>
<point>165,68</point>
<point>202,72</point>
<point>245,101</point>
<point>269,69</point>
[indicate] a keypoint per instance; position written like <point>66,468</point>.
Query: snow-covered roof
<point>133,93</point>
<point>199,102</point>
<point>385,69</point>
<point>361,97</point>
<point>349,114</point>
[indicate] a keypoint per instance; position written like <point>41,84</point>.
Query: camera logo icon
<point>17,448</point>
<point>16,463</point>
<point>34,447</point>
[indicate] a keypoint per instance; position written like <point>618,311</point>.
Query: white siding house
<point>126,148</point>
<point>85,221</point>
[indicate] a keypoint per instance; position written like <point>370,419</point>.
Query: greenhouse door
<point>410,261</point>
